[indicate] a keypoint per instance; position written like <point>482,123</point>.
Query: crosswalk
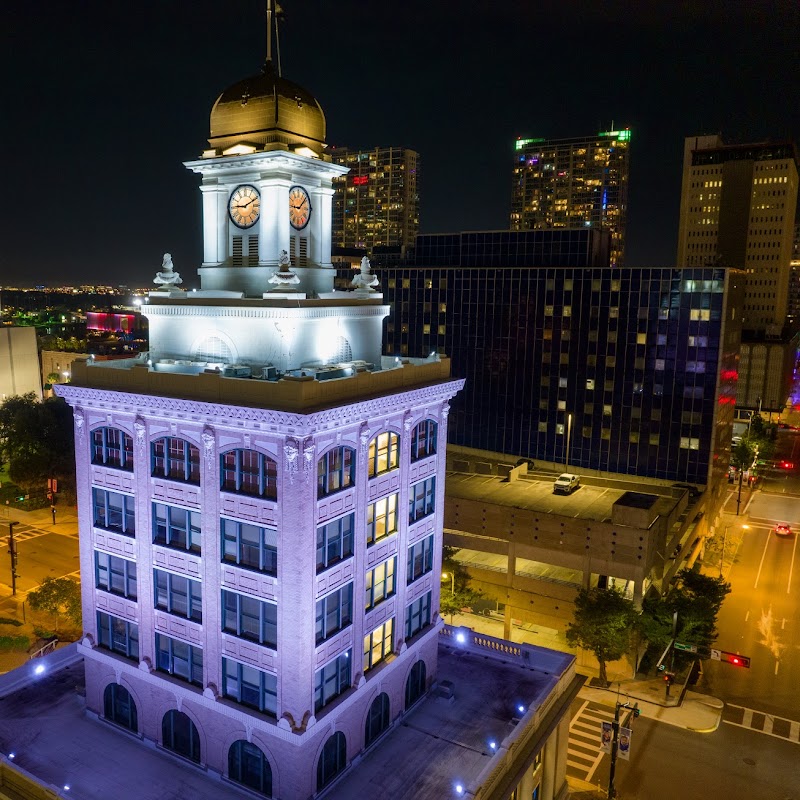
<point>583,753</point>
<point>23,532</point>
<point>769,725</point>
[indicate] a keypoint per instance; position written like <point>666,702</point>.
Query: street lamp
<point>566,453</point>
<point>452,576</point>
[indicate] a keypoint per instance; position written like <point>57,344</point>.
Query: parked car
<point>566,483</point>
<point>782,530</point>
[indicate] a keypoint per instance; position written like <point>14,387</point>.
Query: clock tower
<point>266,186</point>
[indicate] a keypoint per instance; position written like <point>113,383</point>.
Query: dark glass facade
<point>636,367</point>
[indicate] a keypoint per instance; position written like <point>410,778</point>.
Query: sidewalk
<point>42,519</point>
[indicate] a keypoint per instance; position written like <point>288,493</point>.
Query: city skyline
<point>151,76</point>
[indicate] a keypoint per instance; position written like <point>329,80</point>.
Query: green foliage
<point>464,597</point>
<point>743,454</point>
<point>604,623</point>
<point>697,599</point>
<point>36,440</point>
<point>59,597</point>
<point>10,621</point>
<point>14,643</point>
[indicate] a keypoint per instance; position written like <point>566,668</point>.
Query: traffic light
<point>735,659</point>
<point>636,710</point>
<point>669,678</point>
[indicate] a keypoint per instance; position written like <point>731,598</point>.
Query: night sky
<point>105,100</point>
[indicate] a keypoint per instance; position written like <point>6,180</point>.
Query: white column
<point>321,222</point>
<point>215,224</point>
<point>273,230</point>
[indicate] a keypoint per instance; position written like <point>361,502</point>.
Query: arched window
<point>175,459</point>
<point>336,470</point>
<point>112,447</point>
<point>415,685</point>
<point>249,472</point>
<point>384,453</point>
<point>118,706</point>
<point>179,734</point>
<point>248,765</point>
<point>423,440</point>
<point>377,719</point>
<point>332,761</point>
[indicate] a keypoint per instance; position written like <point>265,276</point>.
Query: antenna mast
<point>269,31</point>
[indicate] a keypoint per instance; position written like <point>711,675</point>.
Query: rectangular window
<point>114,511</point>
<point>336,470</point>
<point>115,575</point>
<point>384,452</point>
<point>176,459</point>
<point>249,546</point>
<point>421,499</point>
<point>178,595</point>
<point>250,618</point>
<point>418,615</point>
<point>250,686</point>
<point>118,635</point>
<point>334,542</point>
<point>420,559</point>
<point>423,440</point>
<point>380,583</point>
<point>177,658</point>
<point>334,612</point>
<point>331,680</point>
<point>378,644</point>
<point>381,519</point>
<point>112,447</point>
<point>175,527</point>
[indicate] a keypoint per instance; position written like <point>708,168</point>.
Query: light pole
<point>452,576</point>
<point>569,432</point>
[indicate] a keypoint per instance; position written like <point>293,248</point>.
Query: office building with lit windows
<point>260,502</point>
<point>628,371</point>
<point>738,205</point>
<point>376,204</point>
<point>573,183</point>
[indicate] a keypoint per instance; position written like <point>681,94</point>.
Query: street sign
<point>716,655</point>
<point>688,648</point>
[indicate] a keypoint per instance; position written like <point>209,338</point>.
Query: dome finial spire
<point>278,11</point>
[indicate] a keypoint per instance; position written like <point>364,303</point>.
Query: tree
<point>604,622</point>
<point>59,597</point>
<point>456,594</point>
<point>36,440</point>
<point>697,599</point>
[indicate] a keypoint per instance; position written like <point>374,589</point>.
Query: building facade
<point>630,371</point>
<point>376,204</point>
<point>573,183</point>
<point>261,498</point>
<point>19,362</point>
<point>738,206</point>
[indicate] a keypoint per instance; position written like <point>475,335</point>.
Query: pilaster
<point>273,227</point>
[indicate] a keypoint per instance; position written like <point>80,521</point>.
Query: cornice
<point>271,159</point>
<point>168,308</point>
<point>294,422</point>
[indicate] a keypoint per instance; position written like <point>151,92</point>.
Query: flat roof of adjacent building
<point>437,744</point>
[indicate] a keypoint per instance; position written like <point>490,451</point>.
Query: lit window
<point>336,470</point>
<point>378,644</point>
<point>384,451</point>
<point>381,519</point>
<point>380,583</point>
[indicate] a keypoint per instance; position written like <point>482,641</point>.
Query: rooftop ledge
<point>290,393</point>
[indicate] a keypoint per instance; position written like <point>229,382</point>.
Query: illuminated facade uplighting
<point>573,183</point>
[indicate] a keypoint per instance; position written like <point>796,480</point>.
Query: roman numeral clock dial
<point>299,207</point>
<point>244,206</point>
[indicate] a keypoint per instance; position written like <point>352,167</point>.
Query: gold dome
<point>269,112</point>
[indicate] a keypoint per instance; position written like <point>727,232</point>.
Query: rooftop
<point>443,741</point>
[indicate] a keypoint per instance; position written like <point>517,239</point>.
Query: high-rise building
<point>376,203</point>
<point>628,371</point>
<point>738,207</point>
<point>573,183</point>
<point>260,505</point>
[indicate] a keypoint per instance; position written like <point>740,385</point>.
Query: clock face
<point>299,207</point>
<point>244,206</point>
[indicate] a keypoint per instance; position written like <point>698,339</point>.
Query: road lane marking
<point>783,623</point>
<point>791,567</point>
<point>761,564</point>
<point>777,664</point>
<point>747,616</point>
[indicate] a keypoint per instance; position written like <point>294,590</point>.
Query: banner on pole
<point>624,744</point>
<point>605,737</point>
